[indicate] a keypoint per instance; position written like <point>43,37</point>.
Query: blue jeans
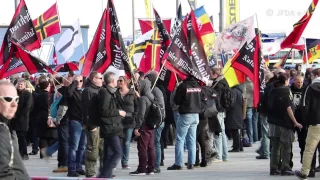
<point>77,145</point>
<point>252,125</point>
<point>112,155</point>
<point>265,142</point>
<point>176,116</point>
<point>186,129</point>
<point>157,145</point>
<point>63,144</point>
<point>52,149</point>
<point>127,132</point>
<point>221,140</point>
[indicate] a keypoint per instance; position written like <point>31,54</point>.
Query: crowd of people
<point>97,118</point>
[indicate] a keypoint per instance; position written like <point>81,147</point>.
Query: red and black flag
<point>67,67</point>
<point>32,63</point>
<point>166,77</point>
<point>148,25</point>
<point>299,27</point>
<point>185,58</point>
<point>15,66</point>
<point>96,57</point>
<point>249,62</point>
<point>116,50</point>
<point>20,31</point>
<point>54,56</point>
<point>48,23</point>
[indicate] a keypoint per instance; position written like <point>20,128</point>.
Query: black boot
<point>312,172</point>
<point>318,168</point>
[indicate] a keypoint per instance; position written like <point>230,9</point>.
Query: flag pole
<point>306,52</point>
<point>84,53</point>
<point>155,82</point>
<point>133,25</point>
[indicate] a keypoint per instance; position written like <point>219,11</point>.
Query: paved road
<point>241,166</point>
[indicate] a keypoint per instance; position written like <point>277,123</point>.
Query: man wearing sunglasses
<point>95,143</point>
<point>77,137</point>
<point>11,165</point>
<point>21,121</point>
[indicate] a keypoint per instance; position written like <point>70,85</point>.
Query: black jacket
<point>234,114</point>
<point>128,103</point>
<point>90,91</point>
<point>41,105</point>
<point>10,169</point>
<point>279,99</point>
<point>110,118</point>
<point>74,102</point>
<point>297,100</point>
<point>21,120</point>
<point>263,105</point>
<point>219,88</point>
<point>311,103</point>
<point>188,96</point>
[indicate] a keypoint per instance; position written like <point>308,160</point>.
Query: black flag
<point>20,31</point>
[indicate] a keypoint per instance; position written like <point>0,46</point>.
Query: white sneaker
<point>216,160</point>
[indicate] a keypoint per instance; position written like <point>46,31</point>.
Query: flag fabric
<point>166,78</point>
<point>54,56</point>
<point>235,36</point>
<point>147,25</point>
<point>21,31</point>
<point>275,46</point>
<point>32,63</point>
<point>139,47</point>
<point>69,41</point>
<point>266,60</point>
<point>48,24</point>
<point>313,51</point>
<point>96,57</point>
<point>282,61</point>
<point>151,57</point>
<point>177,21</point>
<point>232,75</point>
<point>116,49</point>
<point>299,27</point>
<point>249,62</point>
<point>67,67</point>
<point>15,66</point>
<point>206,30</point>
<point>181,50</point>
<point>81,61</point>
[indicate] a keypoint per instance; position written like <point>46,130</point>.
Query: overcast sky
<point>273,15</point>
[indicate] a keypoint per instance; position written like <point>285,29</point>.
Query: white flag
<point>235,35</point>
<point>69,41</point>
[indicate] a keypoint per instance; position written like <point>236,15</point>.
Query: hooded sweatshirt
<point>146,100</point>
<point>297,97</point>
<point>311,103</point>
<point>188,96</point>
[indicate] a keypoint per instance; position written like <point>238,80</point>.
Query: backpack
<point>208,103</point>
<point>227,98</point>
<point>156,115</point>
<point>54,106</point>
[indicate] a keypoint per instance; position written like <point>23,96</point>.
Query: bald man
<point>11,166</point>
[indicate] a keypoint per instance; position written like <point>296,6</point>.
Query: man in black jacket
<point>111,128</point>
<point>188,97</point>
<point>62,126</point>
<point>220,141</point>
<point>77,137</point>
<point>21,121</point>
<point>11,166</point>
<point>94,142</point>
<point>311,113</point>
